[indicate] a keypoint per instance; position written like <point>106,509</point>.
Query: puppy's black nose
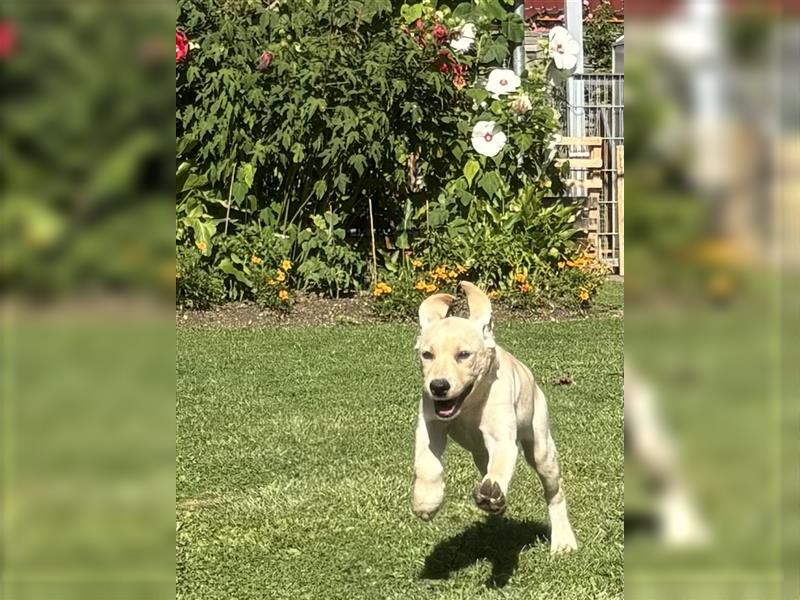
<point>440,387</point>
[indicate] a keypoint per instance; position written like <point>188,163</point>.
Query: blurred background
<point>711,287</point>
<point>87,279</point>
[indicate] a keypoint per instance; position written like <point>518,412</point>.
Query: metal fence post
<point>519,50</point>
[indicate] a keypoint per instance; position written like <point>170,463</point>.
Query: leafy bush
<point>197,287</point>
<point>303,121</point>
<point>398,294</point>
<point>571,284</point>
<point>599,32</point>
<point>327,263</point>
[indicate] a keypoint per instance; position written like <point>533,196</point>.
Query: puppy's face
<point>455,353</point>
<point>454,356</point>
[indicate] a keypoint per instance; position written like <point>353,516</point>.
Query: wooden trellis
<point>596,175</point>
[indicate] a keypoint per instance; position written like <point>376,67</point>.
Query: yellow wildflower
<point>430,288</point>
<point>583,294</point>
<point>416,263</point>
<point>381,288</point>
<point>286,264</point>
<point>520,278</point>
<point>561,264</point>
<point>461,269</point>
<point>271,281</point>
<point>493,294</point>
<point>281,276</point>
<point>283,295</point>
<point>452,274</point>
<point>256,260</point>
<point>421,285</point>
<point>201,245</point>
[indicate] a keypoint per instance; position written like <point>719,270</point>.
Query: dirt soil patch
<point>313,311</point>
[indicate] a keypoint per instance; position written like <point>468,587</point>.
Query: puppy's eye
<point>463,355</point>
<point>427,356</point>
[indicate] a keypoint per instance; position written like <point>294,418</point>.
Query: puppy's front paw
<point>425,514</point>
<point>427,500</point>
<point>562,541</point>
<point>489,497</point>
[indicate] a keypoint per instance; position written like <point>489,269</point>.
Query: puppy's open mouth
<point>449,407</point>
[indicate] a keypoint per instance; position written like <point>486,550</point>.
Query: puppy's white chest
<point>466,432</point>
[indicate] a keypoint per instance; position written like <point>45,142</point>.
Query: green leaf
<point>463,11</point>
<point>246,174</point>
<point>492,9</point>
<point>491,183</point>
<point>358,162</point>
<point>471,169</point>
<point>239,190</point>
<point>411,13</point>
<point>320,188</point>
<point>513,28</point>
<point>478,95</point>
<point>496,50</point>
<point>227,266</point>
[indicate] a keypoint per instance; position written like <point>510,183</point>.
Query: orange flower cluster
<point>283,295</point>
<point>585,261</point>
<point>445,274</point>
<point>423,286</point>
<point>439,275</point>
<point>583,294</point>
<point>521,279</point>
<point>381,288</point>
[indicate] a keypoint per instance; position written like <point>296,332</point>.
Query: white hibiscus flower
<point>487,138</point>
<point>502,81</point>
<point>564,50</point>
<point>464,37</point>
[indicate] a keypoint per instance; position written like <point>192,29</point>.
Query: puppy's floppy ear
<point>480,311</point>
<point>434,308</point>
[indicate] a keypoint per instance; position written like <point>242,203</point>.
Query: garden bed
<point>310,311</point>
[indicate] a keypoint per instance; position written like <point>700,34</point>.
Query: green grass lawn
<point>294,451</point>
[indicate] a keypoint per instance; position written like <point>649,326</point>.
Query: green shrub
<point>599,33</point>
<point>571,284</point>
<point>328,264</point>
<point>399,292</point>
<point>302,121</point>
<point>197,285</point>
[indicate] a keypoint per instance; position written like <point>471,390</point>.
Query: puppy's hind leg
<point>541,453</point>
<point>431,439</point>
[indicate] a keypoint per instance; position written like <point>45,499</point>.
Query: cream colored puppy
<point>488,402</point>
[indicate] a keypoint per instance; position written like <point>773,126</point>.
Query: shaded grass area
<point>294,450</point>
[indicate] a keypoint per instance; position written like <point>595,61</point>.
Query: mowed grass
<point>294,452</point>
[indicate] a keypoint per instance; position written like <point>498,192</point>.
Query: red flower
<point>265,61</point>
<point>443,68</point>
<point>440,33</point>
<point>8,40</point>
<point>181,46</point>
<point>420,25</point>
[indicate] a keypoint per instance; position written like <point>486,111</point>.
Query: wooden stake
<point>230,194</point>
<point>374,249</point>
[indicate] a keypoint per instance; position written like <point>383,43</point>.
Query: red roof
<point>553,8</point>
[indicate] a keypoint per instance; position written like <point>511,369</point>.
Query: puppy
<point>488,402</point>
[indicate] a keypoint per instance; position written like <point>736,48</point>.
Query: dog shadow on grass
<point>497,539</point>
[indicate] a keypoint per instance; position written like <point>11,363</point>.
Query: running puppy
<point>488,402</point>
